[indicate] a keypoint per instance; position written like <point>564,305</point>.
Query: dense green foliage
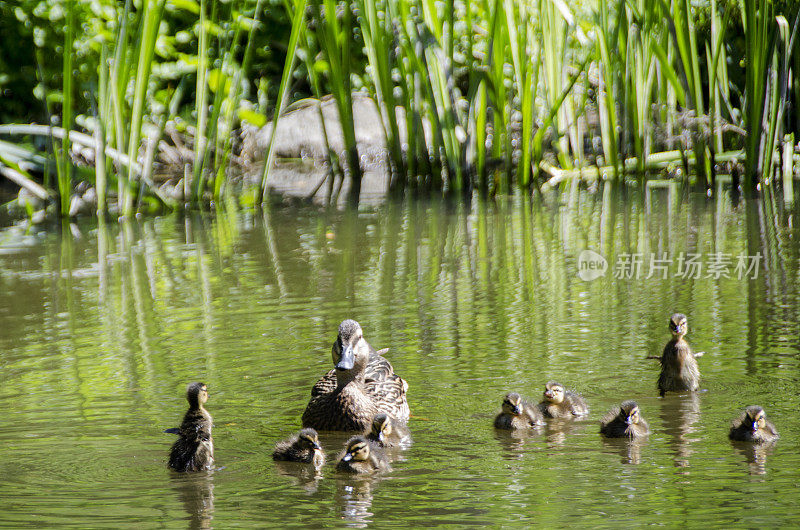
<point>546,90</point>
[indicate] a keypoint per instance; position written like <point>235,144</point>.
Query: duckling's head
<point>678,325</point>
<point>554,392</point>
<point>350,349</point>
<point>756,418</point>
<point>356,450</point>
<point>512,404</point>
<point>197,394</point>
<point>308,438</point>
<point>629,412</point>
<point>381,427</point>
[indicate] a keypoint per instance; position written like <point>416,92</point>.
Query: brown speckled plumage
<point>752,425</point>
<point>194,449</point>
<point>517,414</point>
<point>624,421</point>
<point>558,402</point>
<point>387,432</point>
<point>362,385</point>
<point>301,448</point>
<point>362,456</point>
<point>679,370</point>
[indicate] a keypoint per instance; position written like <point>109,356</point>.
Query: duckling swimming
<point>558,402</point>
<point>361,385</point>
<point>301,448</point>
<point>386,432</point>
<point>679,370</point>
<point>194,449</point>
<point>624,422</point>
<point>517,414</point>
<point>752,425</point>
<point>361,456</point>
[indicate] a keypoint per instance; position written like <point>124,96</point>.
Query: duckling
<point>301,448</point>
<point>361,456</point>
<point>386,432</point>
<point>679,370</point>
<point>194,449</point>
<point>517,414</point>
<point>361,385</point>
<point>558,402</point>
<point>624,422</point>
<point>752,425</point>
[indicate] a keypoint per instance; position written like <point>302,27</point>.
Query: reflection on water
<point>629,451</point>
<point>196,492</point>
<point>304,475</point>
<point>679,414</point>
<point>755,455</point>
<point>354,499</point>
<point>103,324</point>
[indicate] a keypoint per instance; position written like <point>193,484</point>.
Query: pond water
<point>103,325</point>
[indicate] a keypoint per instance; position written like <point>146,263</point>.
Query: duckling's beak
<point>347,457</point>
<point>517,409</point>
<point>380,436</point>
<point>755,426</point>
<point>348,358</point>
<point>316,446</point>
<point>629,420</point>
<point>548,394</point>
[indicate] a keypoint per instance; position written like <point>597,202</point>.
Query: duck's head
<point>629,412</point>
<point>197,394</point>
<point>678,325</point>
<point>512,404</point>
<point>308,438</point>
<point>381,427</point>
<point>553,392</point>
<point>756,418</point>
<point>356,450</point>
<point>350,350</point>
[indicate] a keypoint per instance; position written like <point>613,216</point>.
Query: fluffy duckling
<point>752,425</point>
<point>624,422</point>
<point>387,432</point>
<point>361,385</point>
<point>558,402</point>
<point>301,448</point>
<point>679,370</point>
<point>517,414</point>
<point>361,456</point>
<point>194,449</point>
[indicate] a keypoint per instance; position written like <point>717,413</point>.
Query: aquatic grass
<point>298,18</point>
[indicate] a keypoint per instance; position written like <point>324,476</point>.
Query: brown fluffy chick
<point>194,449</point>
<point>361,456</point>
<point>386,431</point>
<point>752,425</point>
<point>624,421</point>
<point>558,402</point>
<point>301,448</point>
<point>517,414</point>
<point>679,370</point>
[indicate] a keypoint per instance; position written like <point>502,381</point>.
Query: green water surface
<point>103,325</point>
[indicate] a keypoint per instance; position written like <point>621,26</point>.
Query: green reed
<point>543,91</point>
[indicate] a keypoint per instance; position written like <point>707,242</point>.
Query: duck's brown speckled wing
<point>326,384</point>
<point>389,396</point>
